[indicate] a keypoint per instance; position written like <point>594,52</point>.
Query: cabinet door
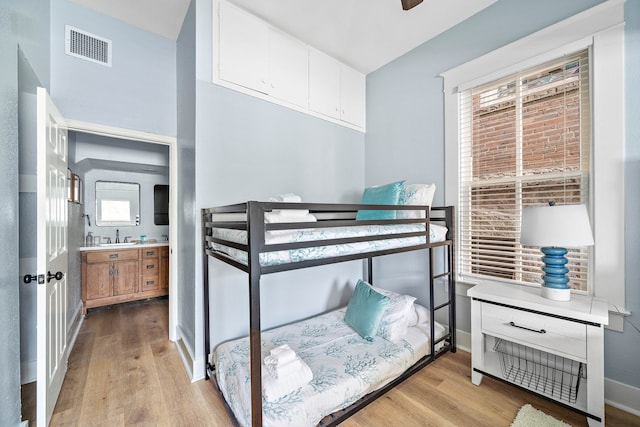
<point>352,96</point>
<point>99,280</point>
<point>243,58</point>
<point>324,84</point>
<point>126,277</point>
<point>288,65</point>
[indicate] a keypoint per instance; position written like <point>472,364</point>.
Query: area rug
<point>528,416</point>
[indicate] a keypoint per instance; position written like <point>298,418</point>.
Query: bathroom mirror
<point>117,203</point>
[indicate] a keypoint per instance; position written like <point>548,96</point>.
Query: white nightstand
<point>554,349</point>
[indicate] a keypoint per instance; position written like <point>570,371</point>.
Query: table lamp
<point>554,228</point>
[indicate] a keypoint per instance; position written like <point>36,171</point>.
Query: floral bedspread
<point>345,367</point>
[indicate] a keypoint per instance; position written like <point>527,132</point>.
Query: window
<point>524,141</point>
<point>600,30</point>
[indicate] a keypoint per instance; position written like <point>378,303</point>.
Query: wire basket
<point>540,371</point>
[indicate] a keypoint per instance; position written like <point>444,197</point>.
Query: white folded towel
<point>290,212</point>
<point>272,218</point>
<point>286,198</point>
<point>284,372</point>
<point>279,356</point>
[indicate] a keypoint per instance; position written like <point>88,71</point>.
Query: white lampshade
<point>560,226</point>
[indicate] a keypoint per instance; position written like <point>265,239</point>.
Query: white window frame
<point>600,29</point>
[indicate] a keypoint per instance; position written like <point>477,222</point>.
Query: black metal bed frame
<point>251,219</point>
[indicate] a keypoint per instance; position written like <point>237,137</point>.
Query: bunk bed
<point>242,236</point>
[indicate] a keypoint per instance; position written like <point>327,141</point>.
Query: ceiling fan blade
<point>408,4</point>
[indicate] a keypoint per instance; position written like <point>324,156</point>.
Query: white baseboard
<point>28,372</point>
<point>463,340</point>
<point>194,366</point>
<point>622,396</point>
<point>72,333</point>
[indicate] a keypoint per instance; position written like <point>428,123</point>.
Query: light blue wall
<point>23,23</point>
<point>405,135</point>
<point>186,125</point>
<point>621,355</point>
<point>138,92</point>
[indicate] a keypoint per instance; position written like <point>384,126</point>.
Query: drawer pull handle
<point>540,331</point>
<point>149,253</point>
<point>113,256</point>
<point>150,266</point>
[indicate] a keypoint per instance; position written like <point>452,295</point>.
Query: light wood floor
<point>124,371</point>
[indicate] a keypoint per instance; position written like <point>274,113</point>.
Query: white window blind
<point>524,141</point>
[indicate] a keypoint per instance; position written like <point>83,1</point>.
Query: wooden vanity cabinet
<point>113,276</point>
<point>149,269</point>
<point>164,268</point>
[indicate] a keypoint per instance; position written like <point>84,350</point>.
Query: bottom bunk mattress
<point>345,367</point>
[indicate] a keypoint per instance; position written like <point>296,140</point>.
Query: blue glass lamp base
<point>555,278</point>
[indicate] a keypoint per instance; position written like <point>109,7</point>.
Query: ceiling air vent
<point>87,46</point>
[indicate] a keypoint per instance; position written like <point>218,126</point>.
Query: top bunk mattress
<point>345,367</point>
<point>437,233</point>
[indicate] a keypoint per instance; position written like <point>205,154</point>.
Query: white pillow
<point>416,194</point>
<point>394,323</point>
<point>418,316</point>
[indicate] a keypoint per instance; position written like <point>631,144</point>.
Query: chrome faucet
<point>117,236</point>
<point>126,239</point>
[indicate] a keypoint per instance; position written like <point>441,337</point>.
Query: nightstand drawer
<point>536,330</point>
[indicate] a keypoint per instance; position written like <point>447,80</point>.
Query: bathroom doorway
<point>137,137</point>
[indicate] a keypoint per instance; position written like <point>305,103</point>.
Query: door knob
<point>59,275</point>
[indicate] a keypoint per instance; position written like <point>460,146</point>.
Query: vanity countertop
<point>120,246</point>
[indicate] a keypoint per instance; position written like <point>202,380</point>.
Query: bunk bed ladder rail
<point>449,274</point>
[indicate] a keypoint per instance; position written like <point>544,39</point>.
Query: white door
<point>51,255</point>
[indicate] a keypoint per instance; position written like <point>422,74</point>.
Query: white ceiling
<point>365,34</point>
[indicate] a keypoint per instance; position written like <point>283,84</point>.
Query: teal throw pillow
<point>365,310</point>
<point>388,194</point>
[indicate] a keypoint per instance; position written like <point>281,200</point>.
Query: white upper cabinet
<point>257,59</point>
<point>243,48</point>
<point>336,90</point>
<point>352,96</point>
<point>288,76</point>
<point>324,84</point>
